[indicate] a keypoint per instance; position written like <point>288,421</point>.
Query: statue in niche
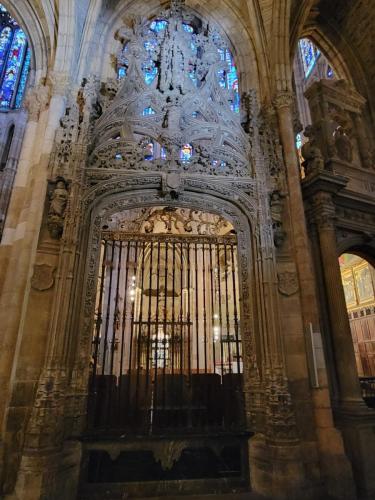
<point>311,153</point>
<point>343,145</point>
<point>276,205</point>
<point>56,212</point>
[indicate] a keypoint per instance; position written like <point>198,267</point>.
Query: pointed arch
<point>224,16</point>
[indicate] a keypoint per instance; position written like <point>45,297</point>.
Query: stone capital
<point>323,210</point>
<point>283,100</point>
<point>59,83</point>
<point>37,100</point>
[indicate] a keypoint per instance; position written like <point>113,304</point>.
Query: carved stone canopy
<point>183,103</point>
<point>168,220</point>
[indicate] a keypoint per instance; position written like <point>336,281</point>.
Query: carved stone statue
<point>343,145</point>
<point>56,213</point>
<point>314,162</point>
<point>276,205</point>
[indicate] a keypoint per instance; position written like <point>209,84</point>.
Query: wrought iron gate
<point>167,349</point>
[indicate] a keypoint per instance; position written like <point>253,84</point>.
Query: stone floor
<point>234,496</point>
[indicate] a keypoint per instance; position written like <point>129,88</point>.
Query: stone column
<point>21,243</point>
<point>11,263</point>
<point>324,216</point>
<point>335,467</point>
<point>283,104</point>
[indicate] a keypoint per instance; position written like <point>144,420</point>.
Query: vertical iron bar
<point>99,314</point>
<point>115,319</point>
<point>212,279</point>
<point>227,308</point>
<point>140,322</point>
<point>108,310</point>
<point>149,317</point>
<point>155,392</point>
<point>220,310</point>
<point>173,304</point>
<point>165,317</point>
<point>132,326</point>
<point>123,326</point>
<point>196,304</point>
<point>204,308</point>
<point>182,326</point>
<point>188,309</point>
<point>235,309</point>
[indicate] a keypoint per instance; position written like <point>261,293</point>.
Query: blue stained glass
<point>310,54</point>
<point>163,153</point>
<point>5,41</point>
<point>186,152</point>
<point>23,79</point>
<point>330,73</point>
<point>149,151</point>
<point>298,141</point>
<point>150,71</point>
<point>121,72</point>
<point>228,79</point>
<point>158,25</point>
<point>148,111</point>
<point>14,62</point>
<point>188,28</point>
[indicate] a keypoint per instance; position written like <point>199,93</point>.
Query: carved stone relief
<point>288,283</point>
<point>43,277</point>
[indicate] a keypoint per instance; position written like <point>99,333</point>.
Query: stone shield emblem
<point>288,283</point>
<point>43,277</point>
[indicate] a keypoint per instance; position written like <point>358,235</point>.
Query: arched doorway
<point>167,344</point>
<point>358,279</point>
<point>166,367</point>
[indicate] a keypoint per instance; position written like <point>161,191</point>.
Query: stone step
<point>228,496</point>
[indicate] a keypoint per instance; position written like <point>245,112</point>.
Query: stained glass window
<point>5,41</point>
<point>298,141</point>
<point>149,151</point>
<point>148,111</point>
<point>330,73</point>
<point>15,57</point>
<point>309,53</point>
<point>228,78</point>
<point>158,25</point>
<point>186,152</point>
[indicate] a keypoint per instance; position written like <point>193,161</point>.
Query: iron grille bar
<point>166,337</point>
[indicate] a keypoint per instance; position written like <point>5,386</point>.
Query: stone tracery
<point>172,96</point>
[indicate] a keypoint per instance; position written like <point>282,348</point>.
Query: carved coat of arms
<point>43,277</point>
<point>288,283</point>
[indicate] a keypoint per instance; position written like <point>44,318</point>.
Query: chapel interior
<point>187,249</point>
